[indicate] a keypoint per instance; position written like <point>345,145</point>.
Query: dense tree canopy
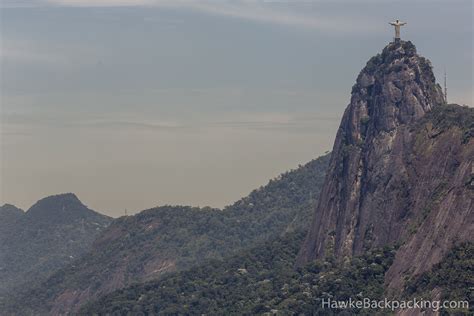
<point>257,281</point>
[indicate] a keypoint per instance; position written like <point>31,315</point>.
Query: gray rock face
<point>387,176</point>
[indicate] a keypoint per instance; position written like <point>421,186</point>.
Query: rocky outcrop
<point>395,177</point>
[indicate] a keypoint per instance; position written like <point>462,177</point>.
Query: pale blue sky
<point>133,104</point>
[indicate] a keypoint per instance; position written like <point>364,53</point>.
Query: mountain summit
<point>396,175</point>
<point>396,87</point>
<point>9,215</point>
<point>52,233</point>
<point>61,208</point>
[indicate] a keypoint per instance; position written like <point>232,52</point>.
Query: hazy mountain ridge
<point>394,214</point>
<point>400,178</point>
<point>169,238</point>
<point>9,214</point>
<point>51,234</point>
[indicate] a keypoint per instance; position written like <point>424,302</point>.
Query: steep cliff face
<point>440,173</point>
<point>394,176</point>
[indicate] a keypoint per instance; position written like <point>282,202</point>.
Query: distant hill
<point>9,215</point>
<point>174,238</point>
<point>52,233</point>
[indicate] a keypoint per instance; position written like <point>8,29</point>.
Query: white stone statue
<point>397,25</point>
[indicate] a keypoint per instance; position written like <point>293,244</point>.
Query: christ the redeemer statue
<point>397,25</point>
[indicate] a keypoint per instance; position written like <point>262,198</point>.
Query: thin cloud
<point>139,125</point>
<point>15,54</point>
<point>257,11</point>
<point>103,3</point>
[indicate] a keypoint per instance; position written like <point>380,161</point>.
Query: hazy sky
<point>132,104</point>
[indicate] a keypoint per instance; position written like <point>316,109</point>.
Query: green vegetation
<point>444,117</point>
<point>195,234</point>
<point>257,281</point>
<point>50,235</point>
<point>183,237</point>
<point>454,276</point>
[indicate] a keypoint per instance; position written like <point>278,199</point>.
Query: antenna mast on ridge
<point>445,88</point>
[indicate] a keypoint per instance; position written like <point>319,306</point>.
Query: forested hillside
<point>254,282</point>
<point>174,238</point>
<point>394,217</point>
<point>52,233</point>
<point>452,279</point>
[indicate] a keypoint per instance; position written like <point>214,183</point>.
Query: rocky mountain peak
<point>396,87</point>
<point>394,172</point>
